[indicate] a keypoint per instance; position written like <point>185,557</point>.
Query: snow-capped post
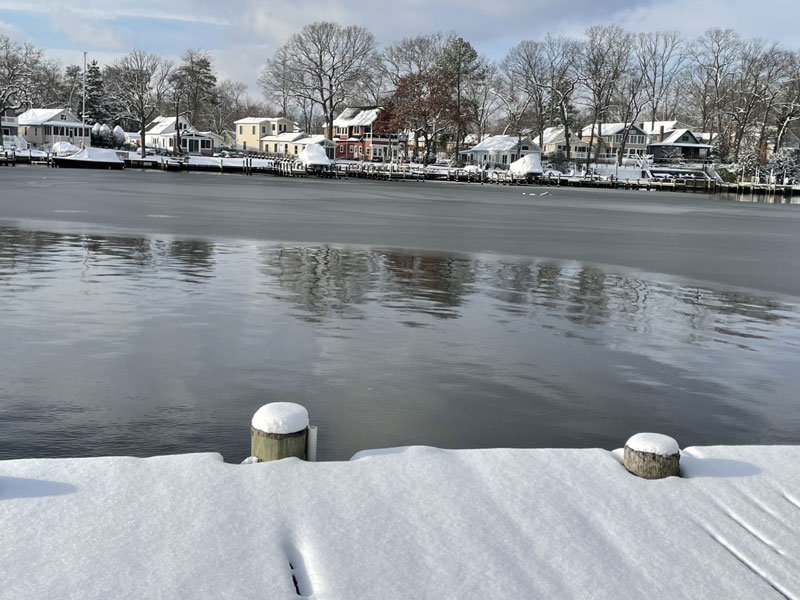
<point>279,430</point>
<point>652,456</point>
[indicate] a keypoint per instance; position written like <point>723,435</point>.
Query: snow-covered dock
<point>403,523</point>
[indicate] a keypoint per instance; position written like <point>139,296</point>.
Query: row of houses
<point>657,138</point>
<point>354,138</point>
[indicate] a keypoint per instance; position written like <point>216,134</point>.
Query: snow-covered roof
<point>257,120</point>
<point>500,143</point>
<point>654,127</point>
<point>288,136</point>
<point>59,123</point>
<point>553,135</point>
<point>603,129</point>
<point>315,139</point>
<point>38,116</point>
<point>166,124</point>
<point>674,139</point>
<point>357,116</point>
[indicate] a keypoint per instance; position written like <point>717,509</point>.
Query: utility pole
<point>83,108</point>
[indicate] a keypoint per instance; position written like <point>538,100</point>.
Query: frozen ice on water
<point>280,417</point>
<point>654,443</point>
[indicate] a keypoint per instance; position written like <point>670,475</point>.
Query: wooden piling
<point>279,430</point>
<point>652,456</point>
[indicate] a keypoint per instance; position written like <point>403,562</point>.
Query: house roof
<point>257,120</point>
<point>654,127</point>
<point>315,139</point>
<point>553,135</point>
<point>500,143</point>
<point>287,136</point>
<point>603,129</point>
<point>38,116</point>
<point>357,116</point>
<point>674,139</point>
<point>166,126</point>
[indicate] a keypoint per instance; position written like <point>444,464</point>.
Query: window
<point>350,148</point>
<point>47,131</point>
<point>35,131</point>
<point>276,148</point>
<point>244,145</point>
<point>254,129</point>
<point>505,158</point>
<point>263,130</point>
<point>273,128</point>
<point>241,127</point>
<point>341,149</point>
<point>171,142</point>
<point>295,149</point>
<point>205,143</point>
<point>63,117</point>
<point>524,148</point>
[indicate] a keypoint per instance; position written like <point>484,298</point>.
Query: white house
<point>162,134</point>
<point>500,150</point>
<point>42,127</point>
<point>554,142</point>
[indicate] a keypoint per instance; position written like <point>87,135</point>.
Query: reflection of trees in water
<point>322,280</point>
<point>29,251</point>
<point>195,259</point>
<point>431,284</point>
<point>22,251</point>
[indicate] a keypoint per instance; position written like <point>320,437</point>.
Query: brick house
<point>355,140</point>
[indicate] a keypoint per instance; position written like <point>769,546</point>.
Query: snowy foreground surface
<point>403,523</point>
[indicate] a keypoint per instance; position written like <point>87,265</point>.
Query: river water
<point>142,346</point>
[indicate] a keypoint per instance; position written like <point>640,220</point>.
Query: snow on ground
<point>229,162</point>
<point>403,523</point>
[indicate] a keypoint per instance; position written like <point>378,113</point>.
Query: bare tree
<point>787,103</point>
<point>482,101</point>
<point>660,56</point>
<point>527,64</point>
<point>562,78</point>
<point>275,80</point>
<point>138,84</point>
<point>326,62</point>
<point>414,56</point>
<point>714,58</point>
<point>17,64</point>
<point>605,58</point>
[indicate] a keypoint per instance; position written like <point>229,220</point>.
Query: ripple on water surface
<point>123,345</point>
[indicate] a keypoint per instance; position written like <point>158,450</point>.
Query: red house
<point>352,133</point>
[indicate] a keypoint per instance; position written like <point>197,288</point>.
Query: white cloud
<point>13,32</point>
<point>99,33</point>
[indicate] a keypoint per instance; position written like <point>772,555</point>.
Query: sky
<point>241,34</point>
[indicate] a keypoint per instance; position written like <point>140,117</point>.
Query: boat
<point>90,158</point>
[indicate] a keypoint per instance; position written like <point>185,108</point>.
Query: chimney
<point>661,134</point>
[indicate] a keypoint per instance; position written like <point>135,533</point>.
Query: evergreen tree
<point>97,110</point>
<point>193,85</point>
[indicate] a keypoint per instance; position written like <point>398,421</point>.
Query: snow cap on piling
<point>280,417</point>
<point>654,443</point>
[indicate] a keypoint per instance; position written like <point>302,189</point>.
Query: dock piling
<point>280,430</point>
<point>652,456</point>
